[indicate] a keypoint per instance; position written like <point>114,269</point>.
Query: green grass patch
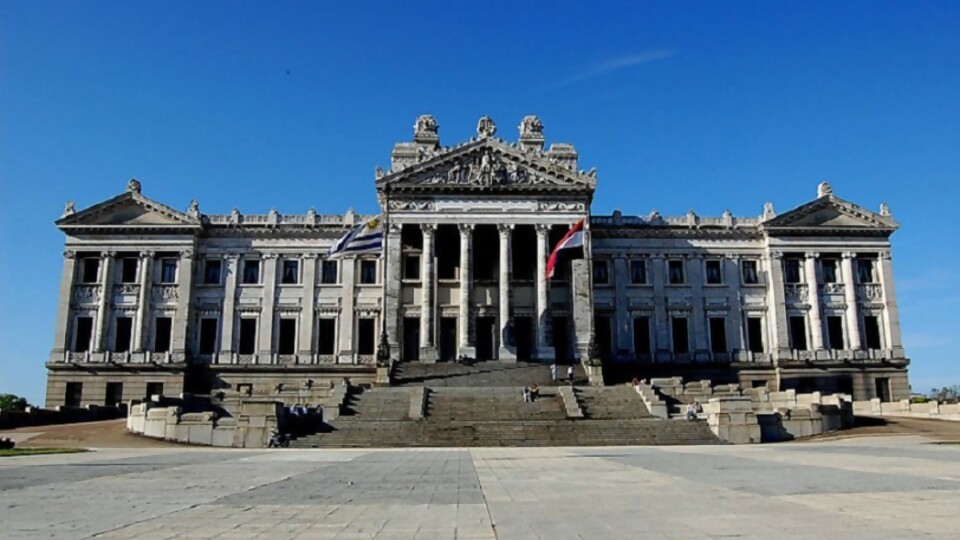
<point>39,451</point>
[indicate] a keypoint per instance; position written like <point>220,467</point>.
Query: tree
<point>11,402</point>
<point>945,394</point>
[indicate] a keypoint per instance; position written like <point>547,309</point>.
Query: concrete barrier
<point>251,429</point>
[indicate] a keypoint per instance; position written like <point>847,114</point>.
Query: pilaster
<point>661,323</point>
<point>813,297</point>
<point>777,314</point>
<point>267,317</point>
<point>622,323</point>
<point>143,305</point>
<point>347,320</point>
<point>428,352</point>
<point>308,316</point>
<point>507,348</point>
<point>106,295</point>
<point>392,287</point>
<point>582,289</point>
<point>891,315</point>
<point>228,313</point>
<point>698,311</point>
<point>850,297</point>
<point>182,317</point>
<point>61,337</point>
<point>735,324</point>
<point>544,352</point>
<point>466,345</point>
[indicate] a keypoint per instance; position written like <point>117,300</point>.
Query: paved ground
<point>876,487</point>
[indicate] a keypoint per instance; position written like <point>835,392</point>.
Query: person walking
<point>553,371</point>
<point>570,375</point>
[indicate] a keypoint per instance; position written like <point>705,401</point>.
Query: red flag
<point>569,247</point>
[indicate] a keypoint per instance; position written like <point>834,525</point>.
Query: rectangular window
<point>638,271</point>
<point>163,326</point>
<point>208,336</point>
<point>798,333</point>
<point>82,334</point>
<point>248,336</point>
<point>829,269</point>
<point>368,272</point>
<point>681,337</point>
<point>864,270</point>
<point>74,394</point>
<point>154,389</point>
<point>601,276</point>
<point>718,334</point>
<point>114,394</point>
<point>675,272</point>
<point>89,269</point>
<point>749,271</point>
<point>168,270</point>
<point>122,334</point>
<point>714,273</point>
<point>251,271</point>
<point>211,271</point>
<point>791,270</point>
<point>287,338</point>
<point>641,335</point>
<point>871,330</point>
<point>835,332</point>
<point>128,270</point>
<point>327,335</point>
<point>328,274</point>
<point>755,334</point>
<point>411,267</point>
<point>291,272</point>
<point>366,340</point>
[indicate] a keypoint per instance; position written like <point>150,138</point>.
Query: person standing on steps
<point>553,371</point>
<point>570,375</point>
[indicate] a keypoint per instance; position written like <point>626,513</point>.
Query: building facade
<point>157,300</point>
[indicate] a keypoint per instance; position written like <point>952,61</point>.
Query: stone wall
<point>777,416</point>
<point>931,409</point>
<point>250,429</point>
<point>94,390</point>
<point>35,416</point>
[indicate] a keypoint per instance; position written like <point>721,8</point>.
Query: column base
<point>428,355</point>
<point>506,355</point>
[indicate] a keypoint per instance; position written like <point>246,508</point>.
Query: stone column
<point>392,301</point>
<point>622,322</point>
<point>269,298</point>
<point>698,311</point>
<point>850,297</point>
<point>465,344</point>
<point>308,315</point>
<point>813,298</point>
<point>891,315</point>
<point>735,337</point>
<point>181,320</point>
<point>228,314</point>
<point>142,330</point>
<point>106,295</point>
<point>581,287</point>
<point>777,312</point>
<point>506,325</point>
<point>347,318</point>
<point>428,353</point>
<point>661,320</point>
<point>61,337</point>
<point>544,352</point>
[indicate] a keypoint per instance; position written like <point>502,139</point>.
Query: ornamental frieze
<point>165,293</point>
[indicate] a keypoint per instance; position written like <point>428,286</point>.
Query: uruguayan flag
<point>367,238</point>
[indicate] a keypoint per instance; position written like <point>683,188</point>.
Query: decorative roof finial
<point>768,212</point>
<point>824,189</point>
<point>69,209</point>
<point>134,185</point>
<point>486,128</point>
<point>194,209</point>
<point>885,209</point>
<point>426,129</point>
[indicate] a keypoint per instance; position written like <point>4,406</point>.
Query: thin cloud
<point>617,64</point>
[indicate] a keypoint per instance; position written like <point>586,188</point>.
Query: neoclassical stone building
<point>156,300</point>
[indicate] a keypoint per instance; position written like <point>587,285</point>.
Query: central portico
<point>469,231</point>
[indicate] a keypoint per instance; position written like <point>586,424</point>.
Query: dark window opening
<point>601,273</point>
<point>411,267</point>
<point>865,270</point>
<point>291,272</point>
<point>871,330</point>
<point>681,336</point>
<point>714,273</point>
<point>486,253</point>
<point>675,272</point>
<point>365,336</point>
<point>328,274</point>
<point>604,333</point>
<point>251,272</point>
<point>89,268</point>
<point>326,334</point>
<point>128,270</point>
<point>523,252</point>
<point>248,336</point>
<point>114,394</point>
<point>749,270</point>
<point>718,334</point>
<point>163,326</point>
<point>123,334</point>
<point>641,335</point>
<point>74,394</point>
<point>829,269</point>
<point>798,333</point>
<point>368,272</point>
<point>835,332</point>
<point>446,251</point>
<point>791,270</point>
<point>755,334</point>
<point>82,334</point>
<point>168,270</point>
<point>208,336</point>
<point>154,389</point>
<point>211,271</point>
<point>638,272</point>
<point>287,339</point>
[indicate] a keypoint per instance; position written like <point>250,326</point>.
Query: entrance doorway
<point>523,336</point>
<point>561,340</point>
<point>411,339</point>
<point>448,338</point>
<point>883,388</point>
<point>486,337</point>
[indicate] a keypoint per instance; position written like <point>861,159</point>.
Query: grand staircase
<point>453,405</point>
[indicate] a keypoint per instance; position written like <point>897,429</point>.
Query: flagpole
<point>383,350</point>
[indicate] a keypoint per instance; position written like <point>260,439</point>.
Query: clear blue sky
<point>679,105</point>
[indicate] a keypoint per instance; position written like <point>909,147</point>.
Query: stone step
<point>480,374</point>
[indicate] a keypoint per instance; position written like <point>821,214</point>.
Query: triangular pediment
<point>130,209</point>
<point>829,212</point>
<point>487,165</point>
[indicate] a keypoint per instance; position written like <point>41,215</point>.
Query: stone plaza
<point>880,487</point>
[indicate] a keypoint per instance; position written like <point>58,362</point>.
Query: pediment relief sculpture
<point>130,208</point>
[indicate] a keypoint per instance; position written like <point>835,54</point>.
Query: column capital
<point>657,256</point>
<point>732,256</point>
<point>776,255</point>
<point>186,253</point>
<point>69,254</point>
<point>812,254</point>
<point>268,256</point>
<point>428,228</point>
<point>394,228</point>
<point>108,254</point>
<point>504,228</point>
<point>543,228</point>
<point>849,255</point>
<point>309,256</point>
<point>147,254</point>
<point>465,228</point>
<point>231,257</point>
<point>886,255</point>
